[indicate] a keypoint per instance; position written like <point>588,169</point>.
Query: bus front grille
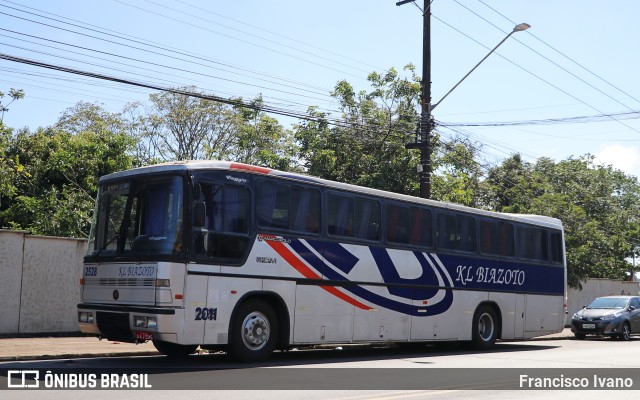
<point>115,326</point>
<point>122,282</point>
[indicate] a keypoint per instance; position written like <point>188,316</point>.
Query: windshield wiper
<point>111,240</point>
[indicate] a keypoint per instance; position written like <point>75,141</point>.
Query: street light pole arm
<point>518,28</point>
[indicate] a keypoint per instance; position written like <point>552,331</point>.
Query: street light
<point>517,28</point>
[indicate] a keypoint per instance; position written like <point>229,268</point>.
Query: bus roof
<point>194,165</point>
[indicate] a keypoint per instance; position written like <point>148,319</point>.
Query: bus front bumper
<point>131,324</point>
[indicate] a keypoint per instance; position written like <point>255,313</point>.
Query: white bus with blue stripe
<point>246,259</point>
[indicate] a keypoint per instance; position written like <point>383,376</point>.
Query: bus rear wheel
<point>485,328</point>
<point>174,350</point>
<point>254,331</point>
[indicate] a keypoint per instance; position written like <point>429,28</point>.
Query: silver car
<point>614,316</point>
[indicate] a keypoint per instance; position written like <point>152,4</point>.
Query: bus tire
<point>174,350</point>
<point>485,327</point>
<point>254,331</point>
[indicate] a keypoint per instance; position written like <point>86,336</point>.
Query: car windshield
<point>614,303</point>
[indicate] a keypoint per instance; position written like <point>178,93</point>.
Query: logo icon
<point>23,376</point>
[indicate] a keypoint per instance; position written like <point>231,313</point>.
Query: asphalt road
<point>355,373</point>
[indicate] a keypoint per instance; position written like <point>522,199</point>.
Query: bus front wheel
<point>254,332</point>
<point>485,327</point>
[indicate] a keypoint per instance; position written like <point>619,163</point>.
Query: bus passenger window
<point>456,232</point>
<point>272,202</point>
<point>340,216</point>
<point>556,247</point>
<point>397,224</point>
<point>532,244</point>
<point>496,238</point>
<point>226,229</point>
<point>305,210</point>
<point>421,230</point>
<point>367,219</point>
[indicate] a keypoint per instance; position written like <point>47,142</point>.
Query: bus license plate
<point>588,326</point>
<point>144,336</point>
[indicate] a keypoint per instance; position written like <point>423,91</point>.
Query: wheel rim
<point>255,330</point>
<point>485,327</point>
<point>626,333</point>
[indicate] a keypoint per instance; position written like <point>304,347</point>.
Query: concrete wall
<point>593,288</point>
<point>40,283</point>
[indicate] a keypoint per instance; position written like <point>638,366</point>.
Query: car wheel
<point>174,350</point>
<point>254,332</point>
<point>626,332</point>
<point>485,328</point>
<point>580,336</point>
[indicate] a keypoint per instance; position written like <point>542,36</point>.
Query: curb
<point>65,356</point>
<point>44,357</point>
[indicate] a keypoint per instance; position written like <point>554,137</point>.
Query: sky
<point>564,88</point>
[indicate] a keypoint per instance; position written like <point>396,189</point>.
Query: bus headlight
<point>163,283</point>
<point>86,317</point>
<point>140,321</point>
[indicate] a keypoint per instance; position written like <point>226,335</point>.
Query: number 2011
<point>206,314</point>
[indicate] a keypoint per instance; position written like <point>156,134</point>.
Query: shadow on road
<point>296,357</point>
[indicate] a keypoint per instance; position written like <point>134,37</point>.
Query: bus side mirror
<point>199,214</point>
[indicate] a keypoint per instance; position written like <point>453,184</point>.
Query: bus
<point>227,256</point>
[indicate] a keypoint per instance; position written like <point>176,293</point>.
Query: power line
<point>565,56</point>
<point>241,40</point>
<point>282,36</point>
<point>133,39</point>
<point>555,121</point>
<point>547,58</point>
<point>237,30</point>
<point>537,76</point>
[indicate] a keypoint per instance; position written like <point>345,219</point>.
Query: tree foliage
<point>175,126</point>
<point>367,145</point>
<point>52,173</point>
<point>14,94</point>
<point>598,205</point>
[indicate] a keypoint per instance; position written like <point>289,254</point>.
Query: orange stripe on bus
<point>250,168</point>
<point>308,273</point>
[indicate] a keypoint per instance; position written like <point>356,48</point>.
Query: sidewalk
<point>48,348</point>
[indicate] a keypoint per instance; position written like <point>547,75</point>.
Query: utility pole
<point>426,122</point>
<point>424,144</point>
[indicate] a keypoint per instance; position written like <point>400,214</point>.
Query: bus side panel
<point>519,322</point>
<point>438,327</point>
<point>468,302</point>
<point>287,291</point>
<point>543,314</point>
<point>507,304</point>
<point>223,294</point>
<point>321,317</point>
<point>380,324</point>
<point>195,296</point>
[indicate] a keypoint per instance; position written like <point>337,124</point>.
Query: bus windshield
<point>140,217</point>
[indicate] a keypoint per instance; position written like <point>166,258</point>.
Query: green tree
<point>54,190</point>
<point>599,207</point>
<point>14,94</point>
<point>366,147</point>
<point>260,139</point>
<point>179,127</point>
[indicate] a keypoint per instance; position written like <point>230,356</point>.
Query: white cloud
<point>625,158</point>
